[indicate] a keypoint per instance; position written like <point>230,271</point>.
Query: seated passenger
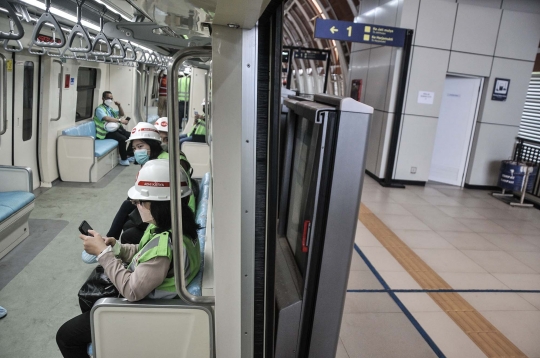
<point>103,114</point>
<point>162,125</point>
<point>198,129</point>
<point>150,274</point>
<point>146,145</point>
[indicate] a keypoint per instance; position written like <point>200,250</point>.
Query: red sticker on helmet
<point>133,130</point>
<point>164,124</point>
<point>148,129</point>
<point>157,184</point>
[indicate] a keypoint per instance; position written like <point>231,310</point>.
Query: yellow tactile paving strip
<point>488,338</point>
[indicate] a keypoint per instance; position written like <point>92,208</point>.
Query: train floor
<point>436,271</point>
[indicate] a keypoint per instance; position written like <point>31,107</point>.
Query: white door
<point>25,126</point>
<point>454,129</point>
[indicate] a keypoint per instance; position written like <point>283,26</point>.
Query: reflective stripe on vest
<point>100,124</point>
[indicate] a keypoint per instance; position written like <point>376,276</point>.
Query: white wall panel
<point>359,69</point>
<point>393,81</point>
<point>435,24</point>
<point>509,111</point>
<point>492,144</point>
<point>408,14</point>
<point>530,6</point>
<point>427,73</point>
<point>484,3</point>
<point>415,147</point>
<point>469,64</point>
<point>476,29</point>
<point>366,15</point>
<point>373,142</point>
<point>518,36</point>
<point>377,82</point>
<point>386,14</point>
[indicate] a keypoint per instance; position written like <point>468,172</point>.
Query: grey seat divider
<point>139,329</point>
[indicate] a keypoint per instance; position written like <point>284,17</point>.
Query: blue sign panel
<point>356,32</point>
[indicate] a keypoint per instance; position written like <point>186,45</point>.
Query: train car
<point>278,181</point>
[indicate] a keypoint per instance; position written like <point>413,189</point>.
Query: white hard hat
<point>144,130</point>
<point>111,126</point>
<point>154,184</point>
<point>162,124</point>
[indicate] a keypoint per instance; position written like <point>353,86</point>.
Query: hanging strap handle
<point>130,57</point>
<point>78,28</point>
<point>13,19</point>
<point>101,38</point>
<point>116,44</point>
<point>19,46</point>
<point>47,17</point>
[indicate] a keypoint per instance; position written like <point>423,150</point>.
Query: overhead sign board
<point>357,32</point>
<point>310,55</point>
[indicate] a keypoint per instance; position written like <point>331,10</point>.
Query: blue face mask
<point>141,156</point>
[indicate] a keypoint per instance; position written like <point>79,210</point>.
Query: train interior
<point>302,253</point>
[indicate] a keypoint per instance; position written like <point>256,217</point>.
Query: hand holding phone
<point>128,118</point>
<point>84,227</point>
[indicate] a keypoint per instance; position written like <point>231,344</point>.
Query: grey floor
<point>43,295</point>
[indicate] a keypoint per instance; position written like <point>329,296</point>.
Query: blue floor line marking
<point>404,309</point>
<point>441,291</point>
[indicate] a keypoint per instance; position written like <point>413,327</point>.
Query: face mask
<point>165,147</point>
<point>146,216</point>
<point>109,102</point>
<point>141,156</point>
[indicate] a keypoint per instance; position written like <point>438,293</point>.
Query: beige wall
<point>504,44</point>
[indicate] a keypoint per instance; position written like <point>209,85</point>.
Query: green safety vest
<point>199,128</point>
<point>183,88</point>
<point>163,155</point>
<point>160,245</point>
<point>100,125</point>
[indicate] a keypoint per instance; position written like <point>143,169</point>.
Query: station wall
<point>487,38</point>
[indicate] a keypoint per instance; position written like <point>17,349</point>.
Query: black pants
<point>120,219</point>
<point>121,135</point>
<point>183,105</point>
<point>74,335</point>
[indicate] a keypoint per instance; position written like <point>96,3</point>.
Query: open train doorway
<point>455,128</point>
<point>25,114</point>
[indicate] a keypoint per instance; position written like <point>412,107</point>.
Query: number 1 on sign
<point>349,31</point>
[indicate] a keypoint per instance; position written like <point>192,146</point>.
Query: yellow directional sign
<point>333,29</point>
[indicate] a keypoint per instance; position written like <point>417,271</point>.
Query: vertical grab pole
<point>387,182</point>
<point>61,76</point>
<point>4,95</point>
<point>174,163</point>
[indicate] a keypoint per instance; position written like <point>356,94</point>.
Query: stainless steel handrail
<point>60,77</point>
<point>4,94</point>
<point>174,163</point>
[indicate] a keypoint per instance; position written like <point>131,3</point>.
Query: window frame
<point>91,87</point>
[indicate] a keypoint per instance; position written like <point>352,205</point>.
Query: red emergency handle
<point>307,224</point>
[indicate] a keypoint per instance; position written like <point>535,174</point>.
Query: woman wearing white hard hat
<point>148,274</point>
<point>162,125</point>
<point>146,143</point>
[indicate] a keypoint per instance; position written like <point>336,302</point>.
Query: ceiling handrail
<point>115,43</point>
<point>101,38</point>
<point>47,17</point>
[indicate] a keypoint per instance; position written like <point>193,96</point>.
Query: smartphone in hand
<point>84,227</point>
<point>128,118</point>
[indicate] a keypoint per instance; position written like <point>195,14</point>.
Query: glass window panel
<point>28,100</point>
<point>86,84</point>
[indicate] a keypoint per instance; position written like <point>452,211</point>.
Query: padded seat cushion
<point>104,146</point>
<point>87,129</point>
<point>13,201</point>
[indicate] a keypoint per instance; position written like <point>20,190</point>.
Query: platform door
<point>455,127</point>
<point>25,116</point>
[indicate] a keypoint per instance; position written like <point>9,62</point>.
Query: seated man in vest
<point>103,114</point>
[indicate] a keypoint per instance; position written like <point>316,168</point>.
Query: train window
<point>86,85</point>
<point>28,100</point>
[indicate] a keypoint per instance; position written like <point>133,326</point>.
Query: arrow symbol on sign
<point>333,29</point>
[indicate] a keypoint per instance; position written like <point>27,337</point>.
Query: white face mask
<point>146,216</point>
<point>109,102</point>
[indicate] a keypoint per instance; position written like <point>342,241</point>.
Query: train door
<point>6,128</point>
<point>25,113</point>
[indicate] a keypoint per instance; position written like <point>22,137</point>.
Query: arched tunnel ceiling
<point>299,25</point>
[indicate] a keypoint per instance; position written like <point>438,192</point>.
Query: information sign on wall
<point>357,32</point>
<point>500,89</point>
